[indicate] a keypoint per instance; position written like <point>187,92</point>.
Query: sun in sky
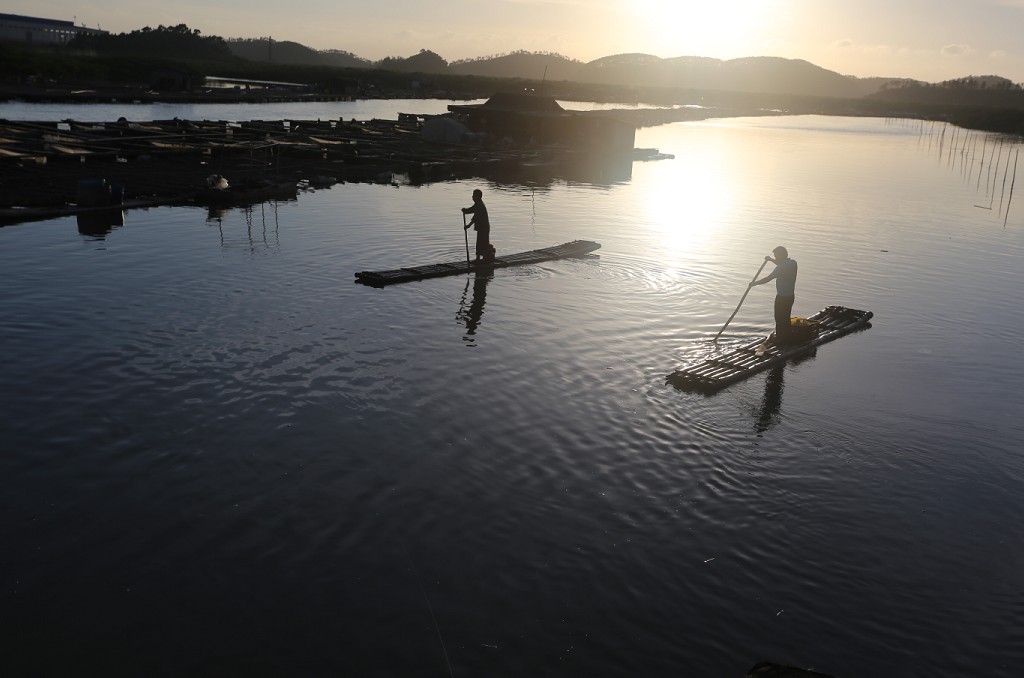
<point>718,28</point>
<point>931,40</point>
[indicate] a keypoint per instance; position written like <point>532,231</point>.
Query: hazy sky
<point>928,40</point>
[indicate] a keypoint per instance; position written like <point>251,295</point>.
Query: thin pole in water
<point>981,167</point>
<point>988,175</point>
<point>766,260</point>
<point>465,232</point>
<point>430,607</point>
<point>1002,191</point>
<point>974,156</point>
<point>1012,182</point>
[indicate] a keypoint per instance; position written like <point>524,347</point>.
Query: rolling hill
<point>773,75</point>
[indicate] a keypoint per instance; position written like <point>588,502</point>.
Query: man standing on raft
<point>482,224</point>
<point>784,276</point>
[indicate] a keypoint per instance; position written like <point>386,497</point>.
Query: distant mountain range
<point>285,52</point>
<point>751,74</point>
<point>647,75</point>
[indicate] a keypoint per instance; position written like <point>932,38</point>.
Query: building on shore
<point>218,82</point>
<point>531,120</point>
<point>36,31</point>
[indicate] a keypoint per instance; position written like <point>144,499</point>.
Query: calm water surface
<point>359,109</point>
<point>222,456</point>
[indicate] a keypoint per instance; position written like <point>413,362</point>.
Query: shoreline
<point>51,169</point>
<point>43,164</point>
<point>107,94</point>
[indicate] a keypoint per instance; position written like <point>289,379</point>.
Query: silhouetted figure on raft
<point>481,223</point>
<point>784,276</point>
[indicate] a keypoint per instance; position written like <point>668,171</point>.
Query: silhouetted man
<point>784,276</point>
<point>482,224</point>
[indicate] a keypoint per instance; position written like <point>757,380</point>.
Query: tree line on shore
<point>984,102</point>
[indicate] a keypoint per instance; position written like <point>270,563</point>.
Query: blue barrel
<point>92,193</point>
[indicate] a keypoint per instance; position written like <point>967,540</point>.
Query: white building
<point>35,31</point>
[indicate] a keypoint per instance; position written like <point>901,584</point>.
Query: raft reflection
<point>99,223</point>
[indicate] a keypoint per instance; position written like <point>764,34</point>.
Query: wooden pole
<point>741,300</point>
<point>981,167</point>
<point>1012,182</point>
<point>1002,191</point>
<point>988,175</point>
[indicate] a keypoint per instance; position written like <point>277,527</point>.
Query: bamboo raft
<point>576,248</point>
<point>718,372</point>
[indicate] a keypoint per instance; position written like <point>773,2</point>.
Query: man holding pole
<point>481,223</point>
<point>784,276</point>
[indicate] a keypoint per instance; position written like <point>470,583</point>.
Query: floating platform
<point>576,248</point>
<point>720,371</point>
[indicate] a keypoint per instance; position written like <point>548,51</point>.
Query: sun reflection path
<point>685,209</point>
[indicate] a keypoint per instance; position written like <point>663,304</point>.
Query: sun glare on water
<point>687,207</point>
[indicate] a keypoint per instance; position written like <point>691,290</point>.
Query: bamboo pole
<point>995,166</point>
<point>1012,182</point>
<point>981,167</point>
<point>974,156</point>
<point>745,292</point>
<point>1003,192</point>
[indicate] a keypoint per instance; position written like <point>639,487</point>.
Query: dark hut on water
<point>528,119</point>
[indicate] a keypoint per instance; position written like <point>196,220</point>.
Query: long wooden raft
<point>718,372</point>
<point>576,248</point>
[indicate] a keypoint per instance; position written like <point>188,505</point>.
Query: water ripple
<point>208,423</point>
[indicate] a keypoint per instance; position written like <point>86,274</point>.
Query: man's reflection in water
<point>771,404</point>
<point>473,315</point>
<point>768,412</point>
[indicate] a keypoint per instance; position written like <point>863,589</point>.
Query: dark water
<point>222,457</point>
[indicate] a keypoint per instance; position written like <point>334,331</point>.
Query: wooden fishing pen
<point>43,164</point>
